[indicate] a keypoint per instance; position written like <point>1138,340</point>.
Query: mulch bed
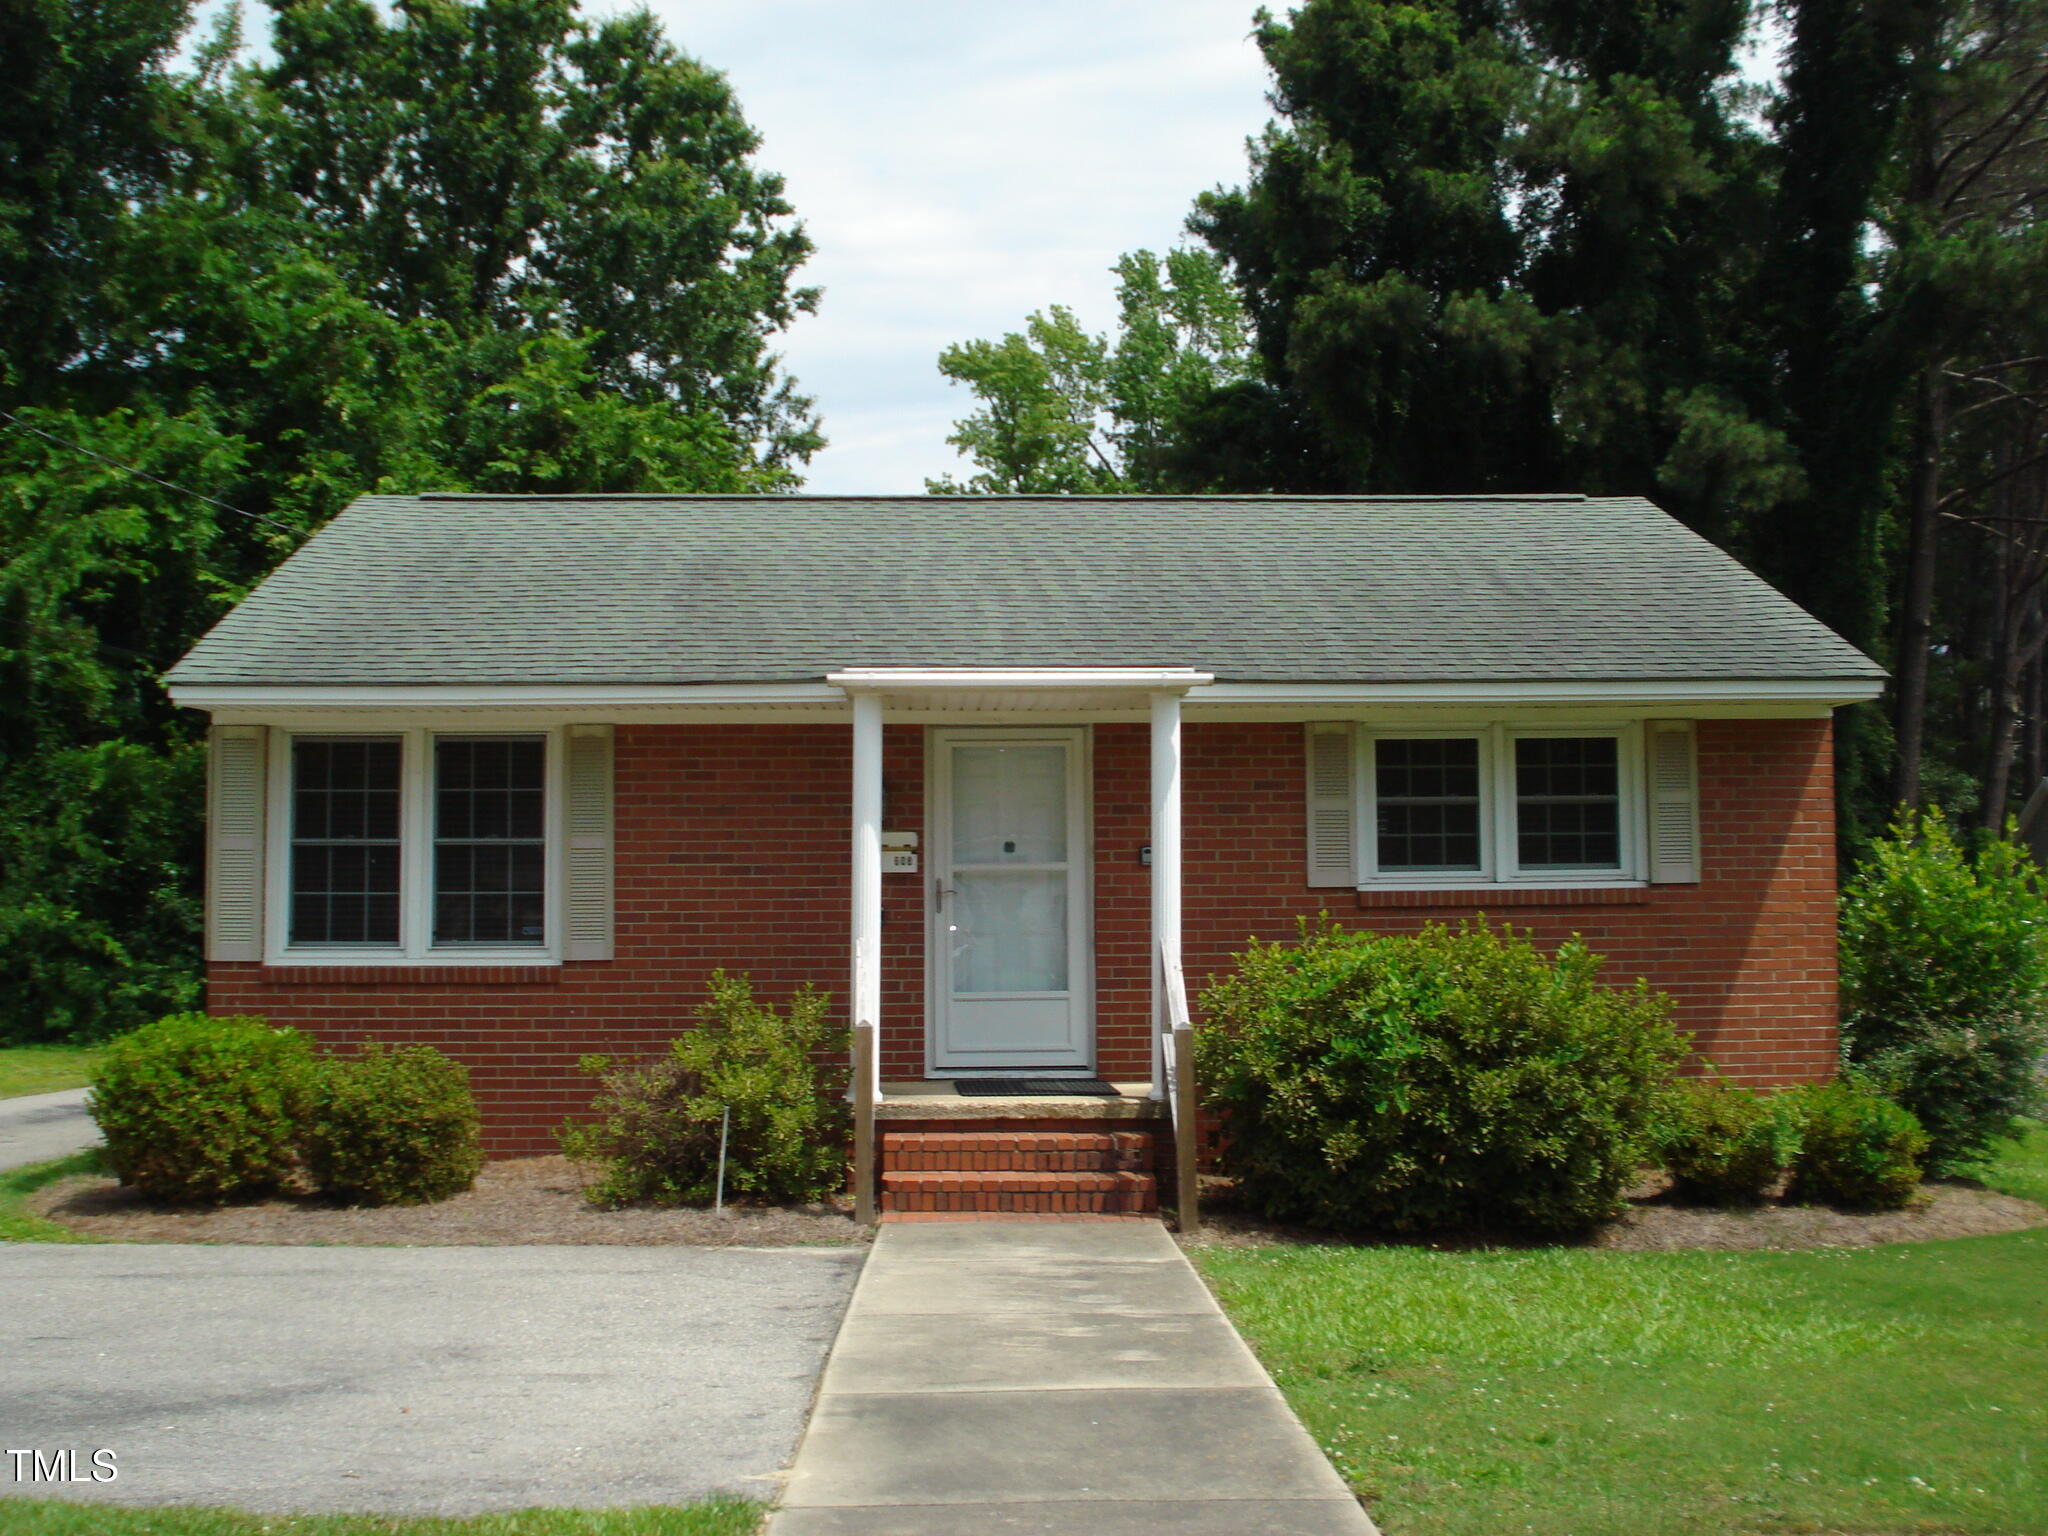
<point>539,1200</point>
<point>1654,1222</point>
<point>534,1200</point>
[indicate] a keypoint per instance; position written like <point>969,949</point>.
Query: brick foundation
<point>732,850</point>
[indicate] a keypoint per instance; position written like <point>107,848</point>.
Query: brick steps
<point>1035,1172</point>
<point>1015,1151</point>
<point>999,1190</point>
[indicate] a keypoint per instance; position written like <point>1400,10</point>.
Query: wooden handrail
<point>865,1089</point>
<point>1177,1056</point>
<point>864,1057</point>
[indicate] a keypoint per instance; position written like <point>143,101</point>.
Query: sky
<point>961,164</point>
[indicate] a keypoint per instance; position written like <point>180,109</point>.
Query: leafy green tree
<point>510,165</point>
<point>82,133</point>
<point>1498,247</point>
<point>224,356</point>
<point>1063,410</point>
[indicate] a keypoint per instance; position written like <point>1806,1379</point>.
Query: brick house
<point>511,775</point>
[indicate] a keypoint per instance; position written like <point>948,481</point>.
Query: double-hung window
<point>1498,803</point>
<point>417,845</point>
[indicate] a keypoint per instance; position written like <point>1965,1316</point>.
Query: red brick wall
<point>733,846</point>
<point>1748,954</point>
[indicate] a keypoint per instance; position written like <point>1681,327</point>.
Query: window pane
<point>1010,931</point>
<point>1009,805</point>
<point>490,850</point>
<point>344,853</point>
<point>1427,802</point>
<point>1567,802</point>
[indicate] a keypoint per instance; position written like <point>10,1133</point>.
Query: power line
<point>143,474</point>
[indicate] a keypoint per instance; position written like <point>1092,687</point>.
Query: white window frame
<point>416,945</point>
<point>1498,839</point>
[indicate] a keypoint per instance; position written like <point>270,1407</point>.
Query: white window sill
<point>1483,883</point>
<point>446,959</point>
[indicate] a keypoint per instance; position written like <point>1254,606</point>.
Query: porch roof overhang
<point>1100,693</point>
<point>1024,690</point>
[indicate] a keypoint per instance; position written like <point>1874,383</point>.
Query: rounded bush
<point>199,1110</point>
<point>393,1127</point>
<point>1945,983</point>
<point>1451,1078</point>
<point>1859,1149</point>
<point>1728,1146</point>
<point>658,1127</point>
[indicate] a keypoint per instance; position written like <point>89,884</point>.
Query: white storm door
<point>1010,928</point>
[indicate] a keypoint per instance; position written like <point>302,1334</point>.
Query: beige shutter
<point>235,793</point>
<point>588,905</point>
<point>1332,804</point>
<point>1674,802</point>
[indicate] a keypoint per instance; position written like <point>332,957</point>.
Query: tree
<point>227,358</point>
<point>1964,272</point>
<point>1532,244</point>
<point>1375,249</point>
<point>82,132</point>
<point>509,165</point>
<point>1500,246</point>
<point>1063,410</point>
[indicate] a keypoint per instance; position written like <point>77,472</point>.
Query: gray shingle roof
<point>428,589</point>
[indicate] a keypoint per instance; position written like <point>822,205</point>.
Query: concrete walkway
<point>1050,1378</point>
<point>40,1126</point>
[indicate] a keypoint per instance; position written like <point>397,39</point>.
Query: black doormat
<point>1032,1087</point>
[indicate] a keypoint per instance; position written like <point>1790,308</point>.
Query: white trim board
<point>829,700</point>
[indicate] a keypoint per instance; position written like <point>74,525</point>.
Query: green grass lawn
<point>37,1517</point>
<point>43,1068</point>
<point>1883,1390</point>
<point>17,1225</point>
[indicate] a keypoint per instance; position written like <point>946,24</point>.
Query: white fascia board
<point>1814,691</point>
<point>1203,692</point>
<point>221,696</point>
<point>921,679</point>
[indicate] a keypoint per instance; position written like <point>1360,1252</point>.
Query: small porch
<point>1018,1002</point>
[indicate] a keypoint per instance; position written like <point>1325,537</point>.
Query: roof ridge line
<point>941,500</point>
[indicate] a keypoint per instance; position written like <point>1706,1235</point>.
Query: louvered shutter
<point>234,832</point>
<point>1674,802</point>
<point>1332,804</point>
<point>588,903</point>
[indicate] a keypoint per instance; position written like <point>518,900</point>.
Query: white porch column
<point>1165,862</point>
<point>867,859</point>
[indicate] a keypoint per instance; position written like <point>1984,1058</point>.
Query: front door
<point>1010,930</point>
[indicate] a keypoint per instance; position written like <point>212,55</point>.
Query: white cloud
<point>958,166</point>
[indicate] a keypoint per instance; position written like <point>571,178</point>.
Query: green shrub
<point>1859,1149</point>
<point>656,1135</point>
<point>1945,983</point>
<point>199,1109</point>
<point>393,1127</point>
<point>1451,1078</point>
<point>1727,1146</point>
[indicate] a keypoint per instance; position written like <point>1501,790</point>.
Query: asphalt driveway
<point>40,1126</point>
<point>416,1380</point>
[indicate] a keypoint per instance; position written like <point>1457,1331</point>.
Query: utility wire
<point>142,474</point>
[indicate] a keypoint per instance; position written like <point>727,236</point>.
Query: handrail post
<point>1186,1123</point>
<point>864,1124</point>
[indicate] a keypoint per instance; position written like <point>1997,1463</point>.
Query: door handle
<point>940,891</point>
